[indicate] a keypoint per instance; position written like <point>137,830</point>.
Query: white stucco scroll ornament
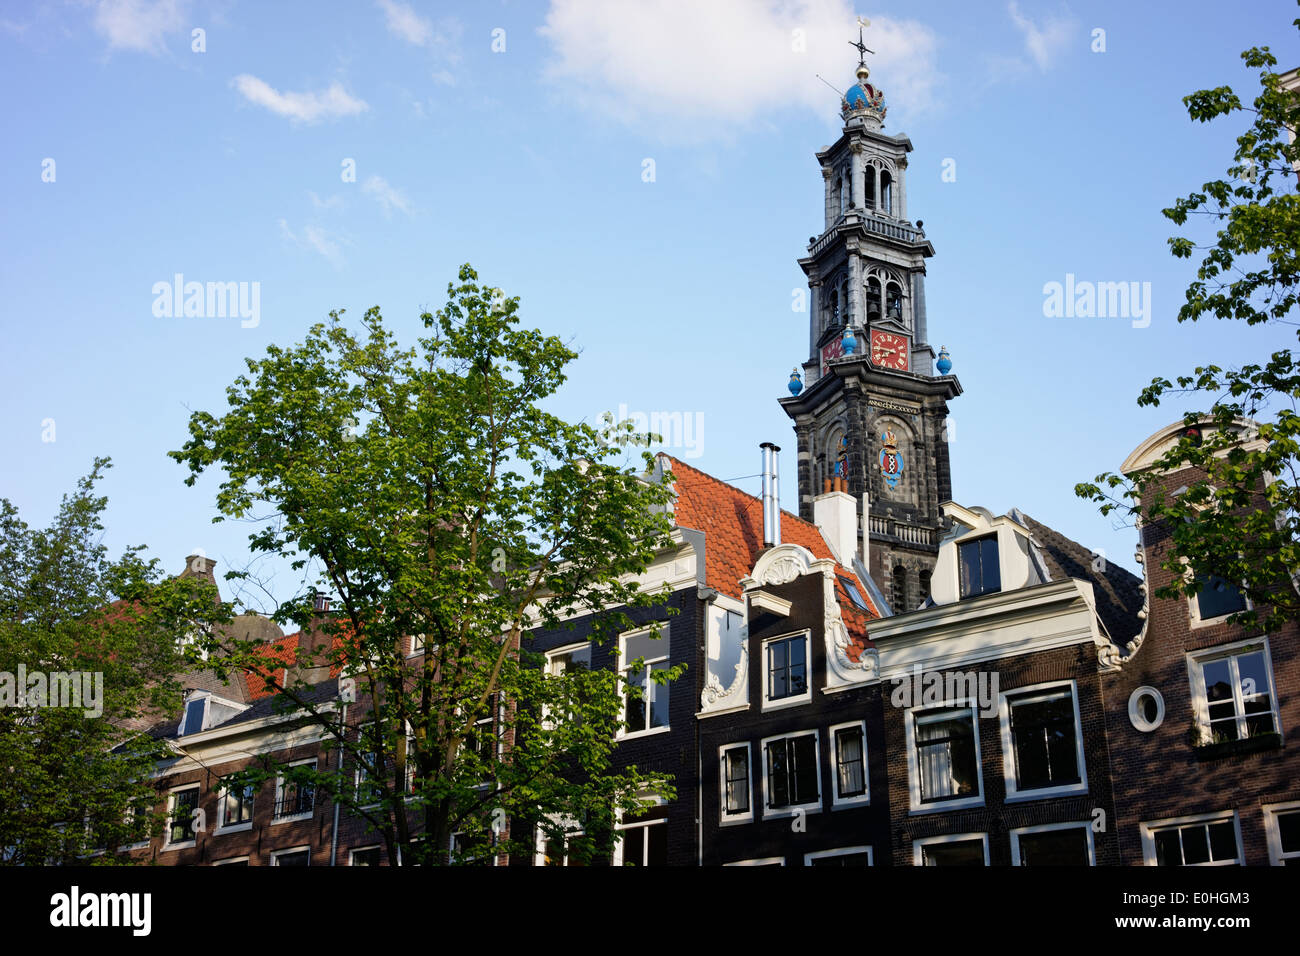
<point>715,696</point>
<point>848,671</point>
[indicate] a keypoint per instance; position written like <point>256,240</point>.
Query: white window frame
<point>730,819</point>
<point>361,849</point>
<point>417,645</point>
<point>222,825</point>
<point>1005,701</point>
<point>915,806</point>
<point>1149,828</point>
<point>635,825</point>
<point>798,699</point>
<point>1135,715</point>
<point>130,819</point>
<point>794,808</point>
<point>230,860</point>
<point>571,830</point>
<point>863,798</point>
<point>276,854</point>
<point>551,662</point>
<point>171,810</point>
<point>1200,699</point>
<point>651,686</point>
<point>1194,606</point>
<point>1018,832</point>
<point>279,795</point>
<point>919,845</point>
<point>840,851</point>
<point>184,729</point>
<point>1271,810</point>
<point>759,861</point>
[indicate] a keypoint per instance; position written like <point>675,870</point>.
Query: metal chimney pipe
<point>771,495</point>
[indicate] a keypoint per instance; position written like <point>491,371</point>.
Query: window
<point>1282,826</point>
<point>873,299</point>
<point>845,856</point>
<point>849,747</point>
<point>785,670</point>
<point>573,849</point>
<point>1207,840</point>
<point>978,566</point>
<point>417,645</point>
<point>1232,692</point>
<point>195,709</point>
<point>943,759</point>
<point>1041,742</point>
<point>138,824</point>
<point>737,784</point>
<point>235,807</point>
<point>645,700</point>
<point>298,856</point>
<point>765,861</point>
<point>642,844</point>
<point>854,594</point>
<point>790,772</point>
<point>483,738</point>
<point>366,788</point>
<point>575,658</point>
<point>181,805</point>
<point>1053,844</point>
<point>958,849</point>
<point>1216,598</point>
<point>364,856</point>
<point>295,800</point>
<point>1146,709</point>
<point>460,849</point>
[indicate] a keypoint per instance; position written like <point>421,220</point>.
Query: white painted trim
<point>761,861</point>
<point>725,819</point>
<point>665,635</point>
<point>1013,793</point>
<point>1135,715</point>
<point>638,825</point>
<point>230,861</point>
<point>1271,811</point>
<point>222,826</point>
<point>1196,679</point>
<point>171,809</point>
<point>915,806</point>
<point>770,603</point>
<point>1148,830</point>
<point>1048,828</point>
<point>358,849</point>
<point>279,790</point>
<point>919,845</point>
<point>841,851</point>
<point>864,798</point>
<point>813,806</point>
<point>793,700</point>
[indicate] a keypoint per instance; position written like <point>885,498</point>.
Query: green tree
<point>430,493</point>
<point>1239,522</point>
<point>74,780</point>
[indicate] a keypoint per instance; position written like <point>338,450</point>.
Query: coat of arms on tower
<point>891,462</point>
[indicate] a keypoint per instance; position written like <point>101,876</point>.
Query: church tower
<point>870,407</point>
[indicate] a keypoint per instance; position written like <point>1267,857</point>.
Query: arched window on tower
<point>832,306</point>
<point>886,193</point>
<point>843,186</point>
<point>869,186</point>
<point>900,590</point>
<point>894,301</point>
<point>873,300</point>
<point>844,298</point>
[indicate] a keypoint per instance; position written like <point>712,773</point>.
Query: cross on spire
<point>861,47</point>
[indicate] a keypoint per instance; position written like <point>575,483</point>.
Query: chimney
<point>771,496</point>
<point>836,515</point>
<point>320,603</point>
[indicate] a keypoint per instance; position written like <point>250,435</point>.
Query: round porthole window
<point>1146,709</point>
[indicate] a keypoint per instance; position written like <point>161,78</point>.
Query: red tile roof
<point>732,521</point>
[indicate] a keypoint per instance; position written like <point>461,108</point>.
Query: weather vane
<point>861,47</point>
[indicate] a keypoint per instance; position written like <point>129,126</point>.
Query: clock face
<point>889,350</point>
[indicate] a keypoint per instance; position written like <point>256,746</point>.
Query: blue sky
<point>527,161</point>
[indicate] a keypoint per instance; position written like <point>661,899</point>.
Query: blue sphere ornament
<point>944,365</point>
<point>796,382</point>
<point>848,341</point>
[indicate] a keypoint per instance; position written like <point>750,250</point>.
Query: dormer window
<point>195,710</point>
<point>978,566</point>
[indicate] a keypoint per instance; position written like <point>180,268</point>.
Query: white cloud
<point>300,107</point>
<point>725,63</point>
<point>406,23</point>
<point>1045,42</point>
<point>138,24</point>
<point>316,239</point>
<point>330,202</point>
<point>389,198</point>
